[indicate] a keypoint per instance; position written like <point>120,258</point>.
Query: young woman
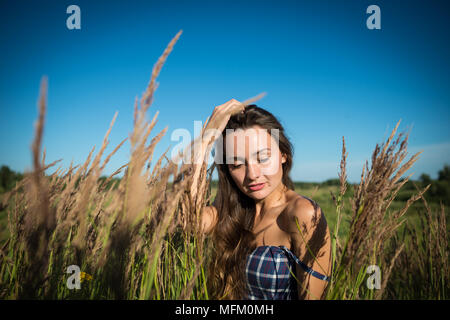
<point>270,242</point>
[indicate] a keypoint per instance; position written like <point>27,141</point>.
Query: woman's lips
<point>256,187</point>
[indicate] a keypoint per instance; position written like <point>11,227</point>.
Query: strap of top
<point>304,266</point>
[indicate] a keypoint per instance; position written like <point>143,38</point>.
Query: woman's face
<point>254,161</point>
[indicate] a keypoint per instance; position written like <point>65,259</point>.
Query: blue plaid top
<point>268,273</point>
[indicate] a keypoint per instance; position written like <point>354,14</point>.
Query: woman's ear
<point>283,158</point>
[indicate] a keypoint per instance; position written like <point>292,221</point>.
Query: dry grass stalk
<point>372,225</point>
<point>369,212</point>
<point>103,225</point>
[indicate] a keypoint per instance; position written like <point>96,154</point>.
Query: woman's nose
<point>253,171</point>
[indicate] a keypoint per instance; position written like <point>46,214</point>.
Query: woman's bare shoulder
<point>297,201</point>
<point>302,209</point>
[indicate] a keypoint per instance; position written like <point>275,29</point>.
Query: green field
<point>321,193</point>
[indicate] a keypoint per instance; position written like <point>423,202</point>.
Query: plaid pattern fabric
<point>268,273</point>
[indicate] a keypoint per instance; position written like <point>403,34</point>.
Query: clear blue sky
<point>326,75</point>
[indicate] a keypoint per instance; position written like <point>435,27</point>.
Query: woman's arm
<point>209,219</point>
<point>211,133</point>
<point>311,243</point>
<point>202,146</point>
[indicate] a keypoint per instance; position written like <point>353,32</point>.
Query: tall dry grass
<point>423,267</point>
<point>374,232</point>
<point>140,239</point>
<point>126,236</point>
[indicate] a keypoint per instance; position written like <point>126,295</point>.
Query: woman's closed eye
<point>236,165</point>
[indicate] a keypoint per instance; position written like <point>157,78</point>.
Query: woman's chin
<point>258,195</point>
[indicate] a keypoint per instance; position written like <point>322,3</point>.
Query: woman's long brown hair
<point>232,236</point>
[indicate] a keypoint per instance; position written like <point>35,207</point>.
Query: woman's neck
<point>276,198</point>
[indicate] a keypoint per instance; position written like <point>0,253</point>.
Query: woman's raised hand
<point>220,117</point>
<point>214,128</point>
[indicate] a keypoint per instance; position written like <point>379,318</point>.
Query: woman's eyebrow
<point>235,158</point>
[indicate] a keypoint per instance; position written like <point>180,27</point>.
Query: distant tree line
<point>439,189</point>
<point>8,178</point>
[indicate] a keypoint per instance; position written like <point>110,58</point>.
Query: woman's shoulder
<point>301,208</point>
<point>297,202</point>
